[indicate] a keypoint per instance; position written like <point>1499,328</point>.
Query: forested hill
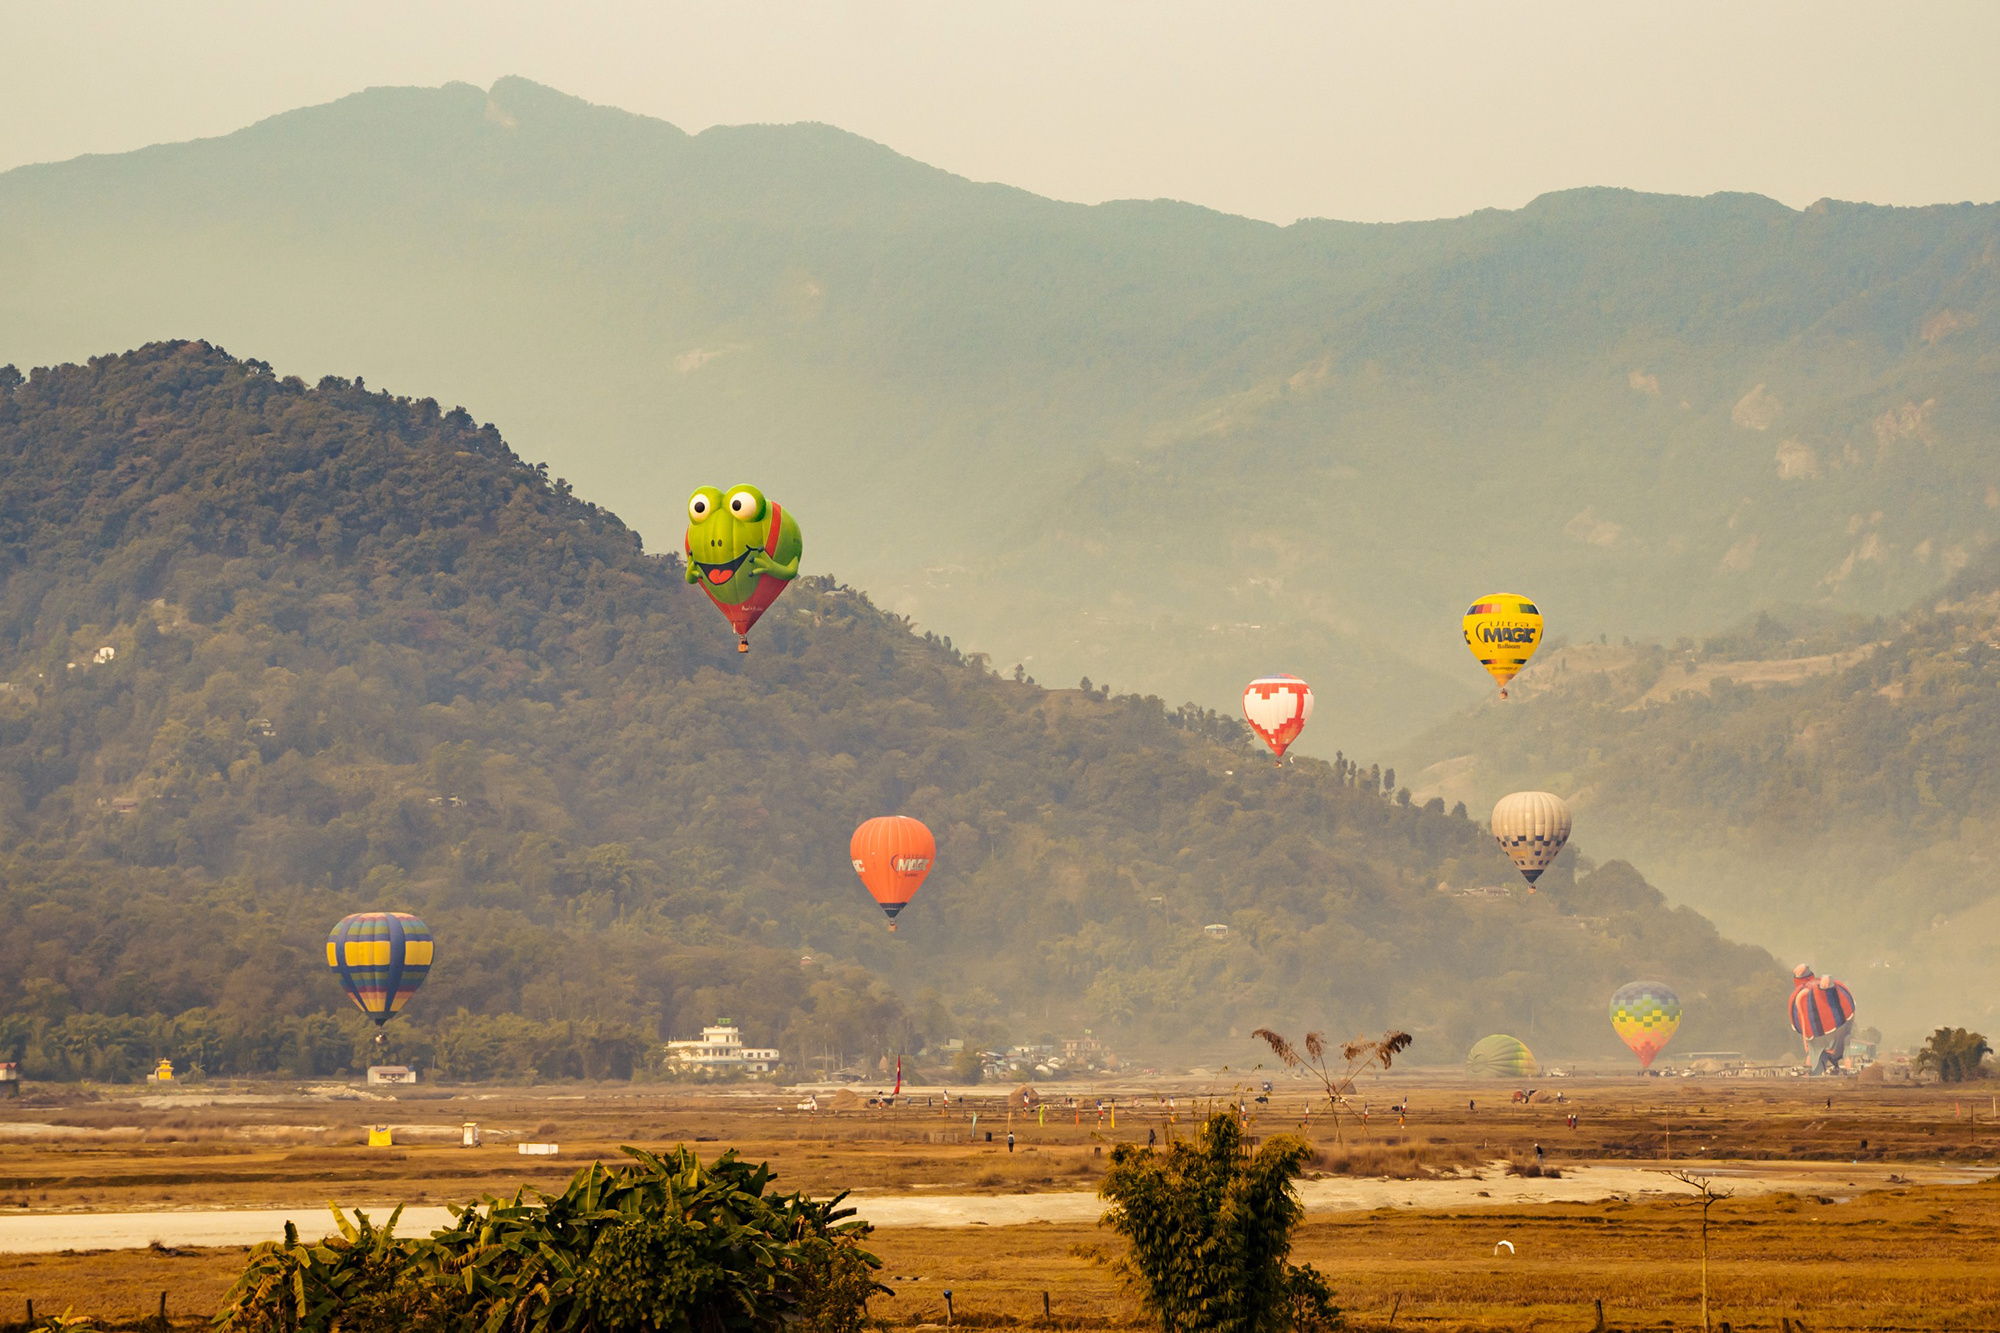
<point>1141,441</point>
<point>1825,786</point>
<point>361,656</point>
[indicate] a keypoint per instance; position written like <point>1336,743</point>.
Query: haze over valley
<point>1140,442</point>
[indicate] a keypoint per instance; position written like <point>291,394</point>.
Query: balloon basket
<point>892,927</point>
<point>742,644</point>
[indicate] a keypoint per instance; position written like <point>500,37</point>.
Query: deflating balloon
<point>1503,630</point>
<point>892,854</point>
<point>1501,1056</point>
<point>381,959</point>
<point>1531,827</point>
<point>1822,1014</point>
<point>743,550</point>
<point>1278,708</point>
<point>1645,1015</point>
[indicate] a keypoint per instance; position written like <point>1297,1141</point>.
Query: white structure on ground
<point>721,1048</point>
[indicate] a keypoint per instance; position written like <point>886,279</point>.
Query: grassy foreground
<point>1921,1256</point>
<point>1901,1259</point>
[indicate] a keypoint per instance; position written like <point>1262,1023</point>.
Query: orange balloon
<point>892,854</point>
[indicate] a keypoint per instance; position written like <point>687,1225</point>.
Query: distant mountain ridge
<point>1141,441</point>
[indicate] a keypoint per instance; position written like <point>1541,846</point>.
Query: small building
<point>1216,932</point>
<point>385,1074</point>
<point>720,1049</point>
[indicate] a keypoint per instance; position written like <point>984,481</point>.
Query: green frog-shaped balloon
<point>743,550</point>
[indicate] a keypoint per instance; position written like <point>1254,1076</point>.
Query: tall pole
<point>1705,1201</point>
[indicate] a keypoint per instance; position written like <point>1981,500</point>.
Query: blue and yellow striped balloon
<point>381,959</point>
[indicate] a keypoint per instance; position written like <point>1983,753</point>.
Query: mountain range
<point>1142,442</point>
<point>1823,785</point>
<point>276,652</point>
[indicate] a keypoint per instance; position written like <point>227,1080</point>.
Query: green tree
<point>967,1067</point>
<point>1954,1055</point>
<point>1210,1226</point>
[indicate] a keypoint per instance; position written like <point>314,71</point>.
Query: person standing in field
<point>1010,1140</point>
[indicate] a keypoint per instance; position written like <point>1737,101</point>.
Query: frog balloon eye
<point>700,506</point>
<point>746,504</point>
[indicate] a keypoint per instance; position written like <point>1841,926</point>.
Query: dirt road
<point>43,1232</point>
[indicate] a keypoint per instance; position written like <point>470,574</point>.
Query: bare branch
<point>1392,1045</point>
<point>1279,1047</point>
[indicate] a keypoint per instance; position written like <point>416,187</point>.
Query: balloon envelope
<point>1645,1015</point>
<point>1277,709</point>
<point>734,539</point>
<point>1531,827</point>
<point>1822,1014</point>
<point>381,958</point>
<point>892,854</point>
<point>1501,1056</point>
<point>1502,629</point>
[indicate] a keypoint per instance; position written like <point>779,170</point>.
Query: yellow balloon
<point>1503,629</point>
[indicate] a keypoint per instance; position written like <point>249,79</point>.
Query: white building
<point>721,1048</point>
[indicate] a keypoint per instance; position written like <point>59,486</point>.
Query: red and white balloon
<point>1278,708</point>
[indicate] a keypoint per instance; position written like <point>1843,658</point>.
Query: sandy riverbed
<point>40,1232</point>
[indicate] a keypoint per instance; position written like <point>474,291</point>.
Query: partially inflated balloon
<point>1531,827</point>
<point>743,550</point>
<point>381,958</point>
<point>1822,1012</point>
<point>1501,1056</point>
<point>1277,709</point>
<point>1503,630</point>
<point>892,854</point>
<point>1645,1015</point>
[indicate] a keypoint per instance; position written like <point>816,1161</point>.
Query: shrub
<point>1210,1228</point>
<point>666,1243</point>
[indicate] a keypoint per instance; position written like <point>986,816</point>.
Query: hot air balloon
<point>1278,708</point>
<point>1823,1014</point>
<point>1501,1056</point>
<point>1531,827</point>
<point>892,854</point>
<point>743,550</point>
<point>381,959</point>
<point>1502,629</point>
<point>1645,1015</point>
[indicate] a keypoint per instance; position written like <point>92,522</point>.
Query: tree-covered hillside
<point>1141,441</point>
<point>361,657</point>
<point>1827,787</point>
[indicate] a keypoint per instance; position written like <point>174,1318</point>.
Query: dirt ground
<point>1907,1254</point>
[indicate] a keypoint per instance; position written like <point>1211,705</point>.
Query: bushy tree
<point>1210,1225</point>
<point>1954,1055</point>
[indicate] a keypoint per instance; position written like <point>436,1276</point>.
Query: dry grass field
<point>1824,1253</point>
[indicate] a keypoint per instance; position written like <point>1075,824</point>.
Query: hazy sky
<point>1377,111</point>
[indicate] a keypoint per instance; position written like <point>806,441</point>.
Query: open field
<point>1859,1232</point>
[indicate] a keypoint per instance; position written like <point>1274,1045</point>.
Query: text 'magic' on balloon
<point>1502,629</point>
<point>1277,709</point>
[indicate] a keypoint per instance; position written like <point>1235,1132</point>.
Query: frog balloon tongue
<point>743,550</point>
